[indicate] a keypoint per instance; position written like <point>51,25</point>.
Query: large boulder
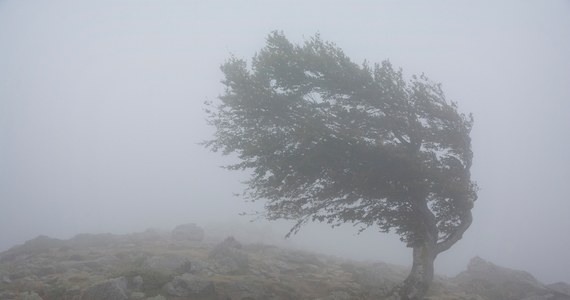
<point>229,256</point>
<point>494,282</point>
<point>188,232</point>
<point>561,287</point>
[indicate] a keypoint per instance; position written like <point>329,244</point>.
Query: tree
<point>328,140</point>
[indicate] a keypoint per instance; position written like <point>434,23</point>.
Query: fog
<point>101,115</point>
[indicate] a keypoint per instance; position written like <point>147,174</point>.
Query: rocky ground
<point>183,264</point>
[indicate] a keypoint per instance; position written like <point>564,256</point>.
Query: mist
<point>101,116</point>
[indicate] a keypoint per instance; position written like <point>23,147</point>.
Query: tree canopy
<point>333,141</point>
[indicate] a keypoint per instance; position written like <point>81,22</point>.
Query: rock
<point>229,257</point>
<point>561,287</point>
<point>229,242</point>
<point>195,266</point>
<point>151,262</point>
<point>36,246</point>
<point>112,289</point>
<point>188,232</point>
<point>482,269</point>
<point>188,285</point>
<point>494,282</point>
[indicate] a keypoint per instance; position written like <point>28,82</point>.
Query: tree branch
<point>457,235</point>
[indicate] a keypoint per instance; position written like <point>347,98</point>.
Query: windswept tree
<point>332,141</point>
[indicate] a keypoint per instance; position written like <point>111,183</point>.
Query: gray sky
<point>101,112</point>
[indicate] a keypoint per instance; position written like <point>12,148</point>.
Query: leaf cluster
<point>329,140</point>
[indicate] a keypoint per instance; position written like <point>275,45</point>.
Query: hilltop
<point>185,264</point>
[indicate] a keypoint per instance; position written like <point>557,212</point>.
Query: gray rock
<point>229,242</point>
<point>39,245</point>
<point>158,297</point>
<point>195,266</point>
<point>494,282</point>
<point>188,232</point>
<point>112,289</point>
<point>188,285</point>
<point>229,256</point>
<point>561,287</point>
<point>479,268</point>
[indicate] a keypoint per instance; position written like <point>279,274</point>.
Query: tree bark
<point>425,251</point>
<point>419,280</point>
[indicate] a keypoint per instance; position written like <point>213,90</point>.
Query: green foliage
<point>333,141</point>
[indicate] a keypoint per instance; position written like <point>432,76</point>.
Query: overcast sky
<point>101,113</point>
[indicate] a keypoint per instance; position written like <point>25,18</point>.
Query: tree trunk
<point>425,249</point>
<point>421,276</point>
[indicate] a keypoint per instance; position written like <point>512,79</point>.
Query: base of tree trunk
<point>420,278</point>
